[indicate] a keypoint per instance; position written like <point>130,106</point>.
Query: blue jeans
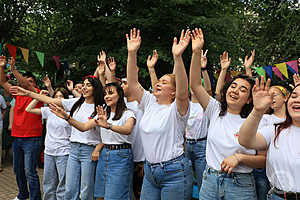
<point>25,156</point>
<point>54,177</point>
<point>262,183</point>
<point>274,197</point>
<point>196,152</point>
<point>220,186</point>
<point>80,173</point>
<point>168,180</point>
<point>114,174</point>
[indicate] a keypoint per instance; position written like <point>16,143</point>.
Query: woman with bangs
<point>280,141</point>
<point>57,147</point>
<point>167,172</point>
<point>228,174</point>
<point>80,168</point>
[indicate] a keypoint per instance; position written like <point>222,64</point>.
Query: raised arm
<point>18,91</point>
<point>195,69</point>
<point>248,62</point>
<point>182,92</point>
<point>205,75</point>
<point>112,66</point>
<point>248,135</point>
<point>225,63</point>
<point>70,86</point>
<point>47,83</point>
<point>3,81</point>
<point>31,107</point>
<point>133,45</point>
<point>151,61</point>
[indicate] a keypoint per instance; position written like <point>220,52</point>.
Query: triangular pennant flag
<point>12,50</point>
<point>293,64</point>
<point>56,59</point>
<point>41,57</point>
<point>277,72</point>
<point>283,69</point>
<point>227,77</point>
<point>261,71</point>
<point>66,67</point>
<point>0,49</point>
<point>268,70</point>
<point>25,53</point>
<point>291,69</point>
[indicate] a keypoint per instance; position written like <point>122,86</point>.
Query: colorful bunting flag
<point>12,50</point>
<point>268,70</point>
<point>260,71</point>
<point>56,59</point>
<point>25,53</point>
<point>277,72</point>
<point>283,69</point>
<point>291,69</point>
<point>41,57</point>
<point>235,73</point>
<point>227,77</point>
<point>294,65</point>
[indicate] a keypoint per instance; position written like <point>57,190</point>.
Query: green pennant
<point>260,71</point>
<point>41,57</point>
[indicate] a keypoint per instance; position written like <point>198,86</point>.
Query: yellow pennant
<point>25,53</point>
<point>283,69</point>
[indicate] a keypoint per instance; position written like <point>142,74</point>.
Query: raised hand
<point>47,81</point>
<point>2,61</point>
<point>134,40</point>
<point>296,78</point>
<point>101,57</point>
<point>112,63</point>
<point>249,61</point>
<point>44,92</point>
<point>262,99</point>
<point>151,61</point>
<point>179,47</point>
<point>102,117</point>
<point>18,91</point>
<point>70,85</point>
<point>203,59</point>
<point>197,40</point>
<point>225,60</point>
<point>58,111</point>
<point>12,62</point>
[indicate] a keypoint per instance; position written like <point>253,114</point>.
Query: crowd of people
<point>112,139</point>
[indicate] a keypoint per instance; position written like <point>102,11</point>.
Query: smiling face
<point>59,95</point>
<point>278,99</point>
<point>78,88</point>
<point>238,94</point>
<point>293,105</point>
<point>165,88</point>
<point>88,89</point>
<point>111,96</point>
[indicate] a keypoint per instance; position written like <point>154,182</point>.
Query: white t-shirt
<point>222,139</point>
<point>110,137</point>
<point>90,137</point>
<point>137,146</point>
<point>3,106</point>
<point>162,129</point>
<point>269,120</point>
<point>197,123</point>
<point>283,161</point>
<point>57,141</point>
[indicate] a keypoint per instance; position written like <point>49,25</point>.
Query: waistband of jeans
<point>286,195</point>
<point>221,173</point>
<point>165,162</point>
<point>196,140</point>
<point>117,146</point>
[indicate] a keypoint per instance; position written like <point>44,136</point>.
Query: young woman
<point>115,166</point>
<point>281,141</point>
<point>168,174</point>
<point>80,168</point>
<point>57,148</point>
<point>229,169</point>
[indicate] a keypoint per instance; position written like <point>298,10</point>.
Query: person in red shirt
<point>27,131</point>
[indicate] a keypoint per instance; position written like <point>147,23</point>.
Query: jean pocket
<point>243,180</point>
<point>175,167</point>
<point>123,153</point>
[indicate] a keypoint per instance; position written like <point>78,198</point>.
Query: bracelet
<point>68,118</point>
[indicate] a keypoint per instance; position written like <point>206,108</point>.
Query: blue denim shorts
<point>114,174</point>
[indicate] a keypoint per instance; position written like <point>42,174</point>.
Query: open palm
<point>133,40</point>
<point>178,48</point>
<point>262,99</point>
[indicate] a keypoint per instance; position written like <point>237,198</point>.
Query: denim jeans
<point>274,197</point>
<point>80,173</point>
<point>220,186</point>
<point>114,174</point>
<point>25,156</point>
<point>168,180</point>
<point>262,183</point>
<point>196,152</point>
<point>54,177</point>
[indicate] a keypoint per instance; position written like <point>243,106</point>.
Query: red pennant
<point>56,59</point>
<point>12,50</point>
